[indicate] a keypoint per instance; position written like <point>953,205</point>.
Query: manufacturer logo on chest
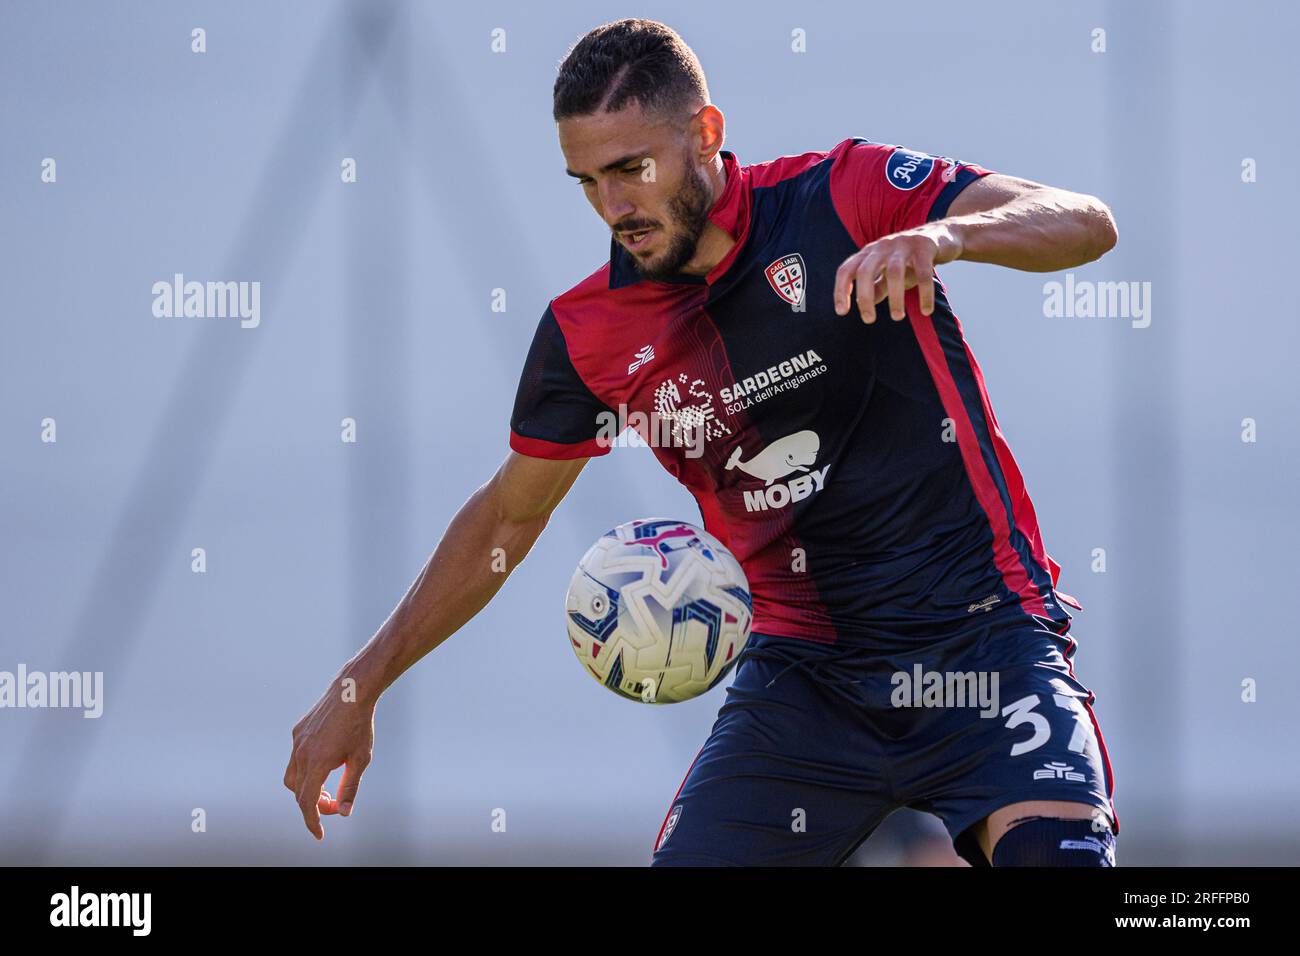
<point>786,276</point>
<point>643,355</point>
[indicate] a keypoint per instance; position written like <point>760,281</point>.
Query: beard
<point>688,212</point>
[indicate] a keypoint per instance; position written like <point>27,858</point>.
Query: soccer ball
<point>658,611</point>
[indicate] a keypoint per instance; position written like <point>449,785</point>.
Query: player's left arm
<point>999,219</point>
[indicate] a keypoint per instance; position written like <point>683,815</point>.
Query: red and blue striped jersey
<point>856,471</point>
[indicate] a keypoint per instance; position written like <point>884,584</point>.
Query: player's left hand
<point>891,265</point>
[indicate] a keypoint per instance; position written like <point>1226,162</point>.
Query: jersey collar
<point>730,214</point>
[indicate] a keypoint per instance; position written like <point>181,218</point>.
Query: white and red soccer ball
<point>658,610</point>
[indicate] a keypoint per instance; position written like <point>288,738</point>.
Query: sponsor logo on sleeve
<point>906,169</point>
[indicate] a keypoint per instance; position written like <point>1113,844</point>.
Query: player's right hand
<point>336,732</point>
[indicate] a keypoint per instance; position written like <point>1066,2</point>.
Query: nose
<point>614,205</point>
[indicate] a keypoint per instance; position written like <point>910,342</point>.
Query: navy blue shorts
<point>816,744</point>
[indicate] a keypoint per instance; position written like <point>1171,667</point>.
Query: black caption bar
<point>267,904</point>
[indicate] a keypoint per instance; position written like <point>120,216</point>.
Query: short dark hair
<point>641,61</point>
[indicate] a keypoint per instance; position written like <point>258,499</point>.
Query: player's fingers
<point>865,280</point>
<point>880,290</point>
<point>895,277</point>
<point>293,772</point>
<point>352,772</point>
<point>326,804</point>
<point>924,270</point>
<point>308,801</point>
<point>844,283</point>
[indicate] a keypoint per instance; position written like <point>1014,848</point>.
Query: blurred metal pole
<point>377,284</point>
<point>1146,541</point>
<point>46,772</point>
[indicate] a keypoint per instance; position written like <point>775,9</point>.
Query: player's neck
<point>714,243</point>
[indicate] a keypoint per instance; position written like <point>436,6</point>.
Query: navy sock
<point>1047,841</point>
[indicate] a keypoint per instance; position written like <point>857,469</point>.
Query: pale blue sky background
<point>175,434</point>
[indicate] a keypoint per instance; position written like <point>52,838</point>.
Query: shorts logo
<point>669,826</point>
<point>906,170</point>
<point>1059,771</point>
<point>786,277</point>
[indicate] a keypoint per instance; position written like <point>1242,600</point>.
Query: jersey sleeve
<point>555,414</point>
<point>878,189</point>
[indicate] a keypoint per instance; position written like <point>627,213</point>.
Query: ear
<point>708,129</point>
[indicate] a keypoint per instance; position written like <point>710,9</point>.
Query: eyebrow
<point>609,167</point>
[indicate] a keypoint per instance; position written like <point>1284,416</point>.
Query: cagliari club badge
<point>786,276</point>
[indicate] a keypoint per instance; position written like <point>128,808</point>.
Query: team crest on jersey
<point>786,276</point>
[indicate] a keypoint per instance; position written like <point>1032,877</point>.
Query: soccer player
<point>909,645</point>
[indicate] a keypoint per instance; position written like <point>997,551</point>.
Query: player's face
<point>639,175</point>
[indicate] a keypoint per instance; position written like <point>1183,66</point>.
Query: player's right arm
<point>555,427</point>
<point>461,577</point>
